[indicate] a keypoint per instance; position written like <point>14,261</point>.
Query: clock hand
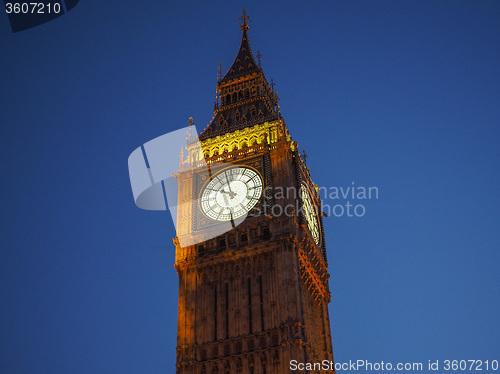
<point>228,206</point>
<point>227,180</point>
<point>231,193</point>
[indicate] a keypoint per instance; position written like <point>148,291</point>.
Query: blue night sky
<point>401,95</point>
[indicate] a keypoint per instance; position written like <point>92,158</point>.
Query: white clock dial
<point>310,213</point>
<point>231,194</point>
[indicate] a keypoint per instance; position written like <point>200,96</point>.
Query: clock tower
<point>253,297</point>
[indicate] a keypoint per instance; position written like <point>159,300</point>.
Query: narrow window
<point>250,307</point>
<point>215,312</point>
<point>227,310</point>
<point>266,234</point>
<point>261,304</point>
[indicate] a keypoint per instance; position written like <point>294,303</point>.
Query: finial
<point>181,156</point>
<point>189,133</point>
<point>219,74</point>
<point>277,103</point>
<point>258,57</point>
<point>272,84</point>
<point>244,21</point>
<point>304,156</point>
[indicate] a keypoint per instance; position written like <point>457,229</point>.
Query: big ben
<point>254,297</point>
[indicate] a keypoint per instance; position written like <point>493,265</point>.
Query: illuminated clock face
<point>231,194</point>
<point>310,213</point>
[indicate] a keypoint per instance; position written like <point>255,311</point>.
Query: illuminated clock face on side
<point>231,193</point>
<point>310,213</point>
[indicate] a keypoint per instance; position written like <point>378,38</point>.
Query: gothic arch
<point>259,266</point>
<point>251,362</point>
<point>270,261</point>
<point>276,357</point>
<point>215,369</point>
<point>239,365</point>
<point>263,363</point>
<point>248,267</point>
<point>237,271</point>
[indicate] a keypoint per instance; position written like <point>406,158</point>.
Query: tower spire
<point>243,95</point>
<point>244,62</point>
